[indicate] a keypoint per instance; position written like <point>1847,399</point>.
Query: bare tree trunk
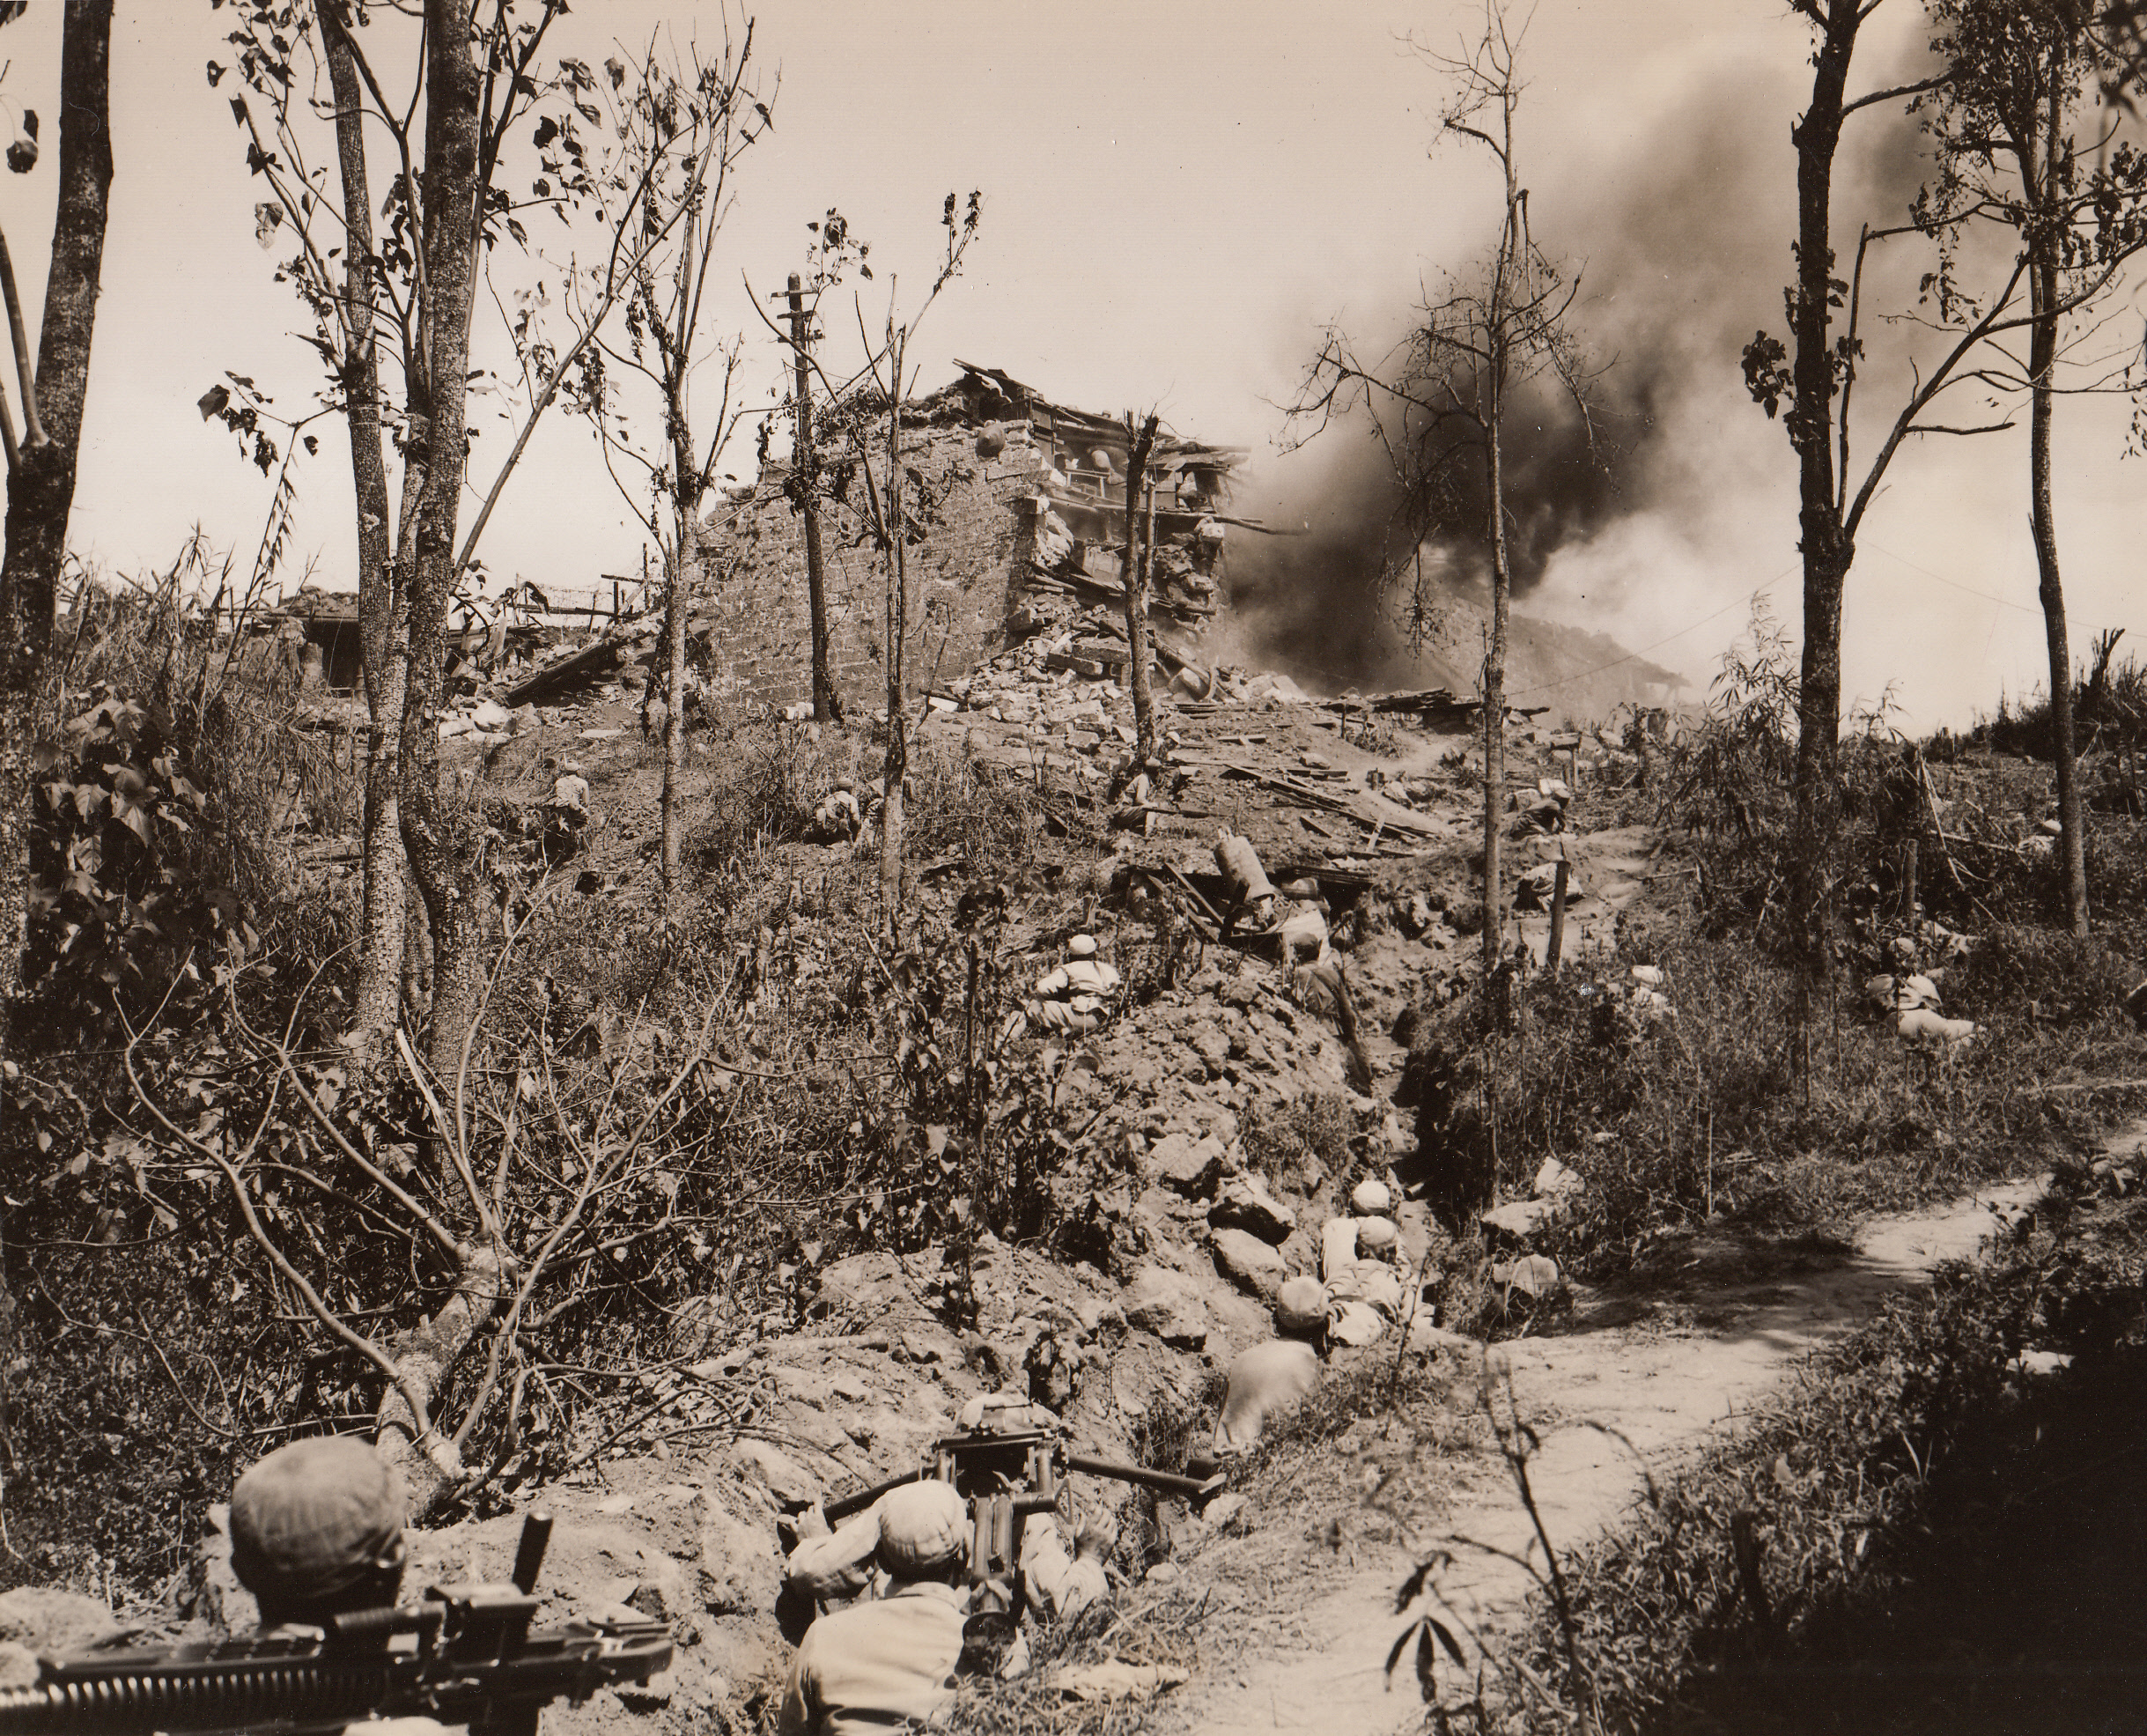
<point>897,764</point>
<point>41,491</point>
<point>677,597</point>
<point>383,620</point>
<point>1827,550</point>
<point>2042,363</point>
<point>436,839</point>
<point>1495,705</point>
<point>1133,581</point>
<point>804,466</point>
<point>420,1450</point>
<point>686,498</point>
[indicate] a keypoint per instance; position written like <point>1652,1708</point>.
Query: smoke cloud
<point>1682,239</point>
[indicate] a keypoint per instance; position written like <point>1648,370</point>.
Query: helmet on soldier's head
<point>314,1522</point>
<point>1370,1199</point>
<point>1082,946</point>
<point>1301,1305</point>
<point>924,1527</point>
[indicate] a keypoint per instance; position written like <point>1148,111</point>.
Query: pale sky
<point>1177,196</point>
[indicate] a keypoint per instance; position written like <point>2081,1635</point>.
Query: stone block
<point>1168,1304</point>
<point>1250,1264</point>
<point>1246,1204</point>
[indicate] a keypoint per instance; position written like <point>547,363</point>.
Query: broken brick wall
<point>976,543</point>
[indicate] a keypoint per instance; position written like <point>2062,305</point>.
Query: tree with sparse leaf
<point>473,76</point>
<point>879,388</point>
<point>332,80</point>
<point>1810,383</point>
<point>834,251</point>
<point>2022,82</point>
<point>1441,405</point>
<point>681,128</point>
<point>41,459</point>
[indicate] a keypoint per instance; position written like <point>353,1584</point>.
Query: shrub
<point>2013,967</point>
<point>1831,1487</point>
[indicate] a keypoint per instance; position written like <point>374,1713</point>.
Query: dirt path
<point>1667,1374</point>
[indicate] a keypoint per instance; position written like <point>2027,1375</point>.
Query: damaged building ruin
<point>1022,503</point>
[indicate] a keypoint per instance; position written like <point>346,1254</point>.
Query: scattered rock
<point>1556,1182</point>
<point>1223,1508</point>
<point>42,1622</point>
<point>1427,1338</point>
<point>1534,1275</point>
<point>1188,1166</point>
<point>741,1564</point>
<point>790,1482</point>
<point>1521,1219</point>
<point>1246,1204</point>
<point>1168,1304</point>
<point>1250,1263</point>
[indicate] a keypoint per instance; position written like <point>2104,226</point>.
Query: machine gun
<point>1006,1473</point>
<point>462,1654</point>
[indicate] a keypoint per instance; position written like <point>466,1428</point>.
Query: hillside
<point>852,1187</point>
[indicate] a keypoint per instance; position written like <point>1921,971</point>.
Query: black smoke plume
<point>1682,242</point>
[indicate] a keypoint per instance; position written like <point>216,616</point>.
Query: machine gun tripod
<point>1005,1474</point>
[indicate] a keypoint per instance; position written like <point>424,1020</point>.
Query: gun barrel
<point>297,1692</point>
<point>276,1685</point>
<point>838,1510</point>
<point>1163,1482</point>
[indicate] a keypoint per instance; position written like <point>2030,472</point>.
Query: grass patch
<point>1166,1629</point>
<point>1728,1109</point>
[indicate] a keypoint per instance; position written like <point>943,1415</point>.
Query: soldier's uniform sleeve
<point>801,1713</point>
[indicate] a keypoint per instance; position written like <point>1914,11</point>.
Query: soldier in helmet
<point>1272,1377</point>
<point>316,1530</point>
<point>1076,996</point>
<point>891,1662</point>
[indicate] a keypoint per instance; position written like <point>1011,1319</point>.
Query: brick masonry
<point>975,548</point>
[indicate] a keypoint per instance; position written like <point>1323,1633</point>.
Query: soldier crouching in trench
<point>894,1657</point>
<point>890,1656</point>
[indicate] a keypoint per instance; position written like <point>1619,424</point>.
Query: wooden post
<point>827,703</point>
<point>1133,570</point>
<point>1558,916</point>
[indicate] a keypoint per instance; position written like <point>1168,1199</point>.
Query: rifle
<point>463,1654</point>
<point>1006,1476</point>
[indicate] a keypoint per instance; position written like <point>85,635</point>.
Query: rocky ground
<point>1365,814</point>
